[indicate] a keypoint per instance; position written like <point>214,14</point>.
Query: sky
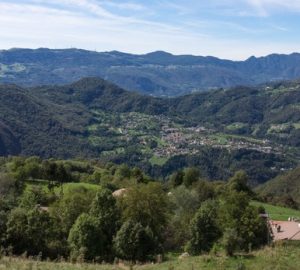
<point>229,29</point>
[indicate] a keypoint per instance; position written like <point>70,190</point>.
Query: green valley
<point>149,135</point>
<point>220,131</point>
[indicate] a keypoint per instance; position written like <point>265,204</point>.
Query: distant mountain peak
<point>252,58</point>
<point>159,54</point>
<point>90,82</point>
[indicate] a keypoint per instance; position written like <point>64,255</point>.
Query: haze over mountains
<point>158,73</point>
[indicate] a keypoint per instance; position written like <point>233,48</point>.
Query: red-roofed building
<point>285,230</point>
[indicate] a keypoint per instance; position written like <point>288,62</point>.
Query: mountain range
<point>157,73</point>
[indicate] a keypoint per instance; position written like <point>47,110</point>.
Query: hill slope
<point>219,131</point>
<point>31,125</point>
<point>157,73</point>
<point>283,256</point>
<point>282,185</point>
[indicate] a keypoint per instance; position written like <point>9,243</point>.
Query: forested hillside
<point>285,186</point>
<point>256,129</point>
<point>158,73</point>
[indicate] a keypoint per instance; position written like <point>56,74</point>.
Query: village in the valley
<point>165,138</point>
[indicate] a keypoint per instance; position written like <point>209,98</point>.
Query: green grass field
<point>155,160</point>
<point>277,212</point>
<point>235,126</point>
<point>280,257</point>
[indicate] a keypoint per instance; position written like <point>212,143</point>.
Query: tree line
<point>148,218</point>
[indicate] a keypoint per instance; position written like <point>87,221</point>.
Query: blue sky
<point>223,28</point>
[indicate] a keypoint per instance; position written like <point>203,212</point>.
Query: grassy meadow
<point>278,212</point>
<point>283,255</point>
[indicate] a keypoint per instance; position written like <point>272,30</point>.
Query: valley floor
<point>284,255</point>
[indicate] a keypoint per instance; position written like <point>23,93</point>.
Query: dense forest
<point>90,211</point>
<point>255,129</point>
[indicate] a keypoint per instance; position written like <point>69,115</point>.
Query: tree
<point>16,234</point>
<point>231,241</point>
<point>104,208</point>
<point>184,202</point>
<point>123,172</point>
<point>287,200</point>
<point>86,238</point>
<point>62,175</point>
<point>176,178</point>
<point>135,242</point>
<point>148,205</point>
<point>11,185</point>
<point>32,168</point>
<point>191,175</point>
<point>205,190</point>
<point>39,231</point>
<point>68,208</point>
<point>236,213</point>
<point>105,211</point>
<point>7,185</point>
<point>239,182</point>
<point>232,207</point>
<point>253,229</point>
<point>49,171</point>
<point>33,196</point>
<point>138,175</point>
<point>204,229</point>
<point>29,231</point>
<point>3,220</point>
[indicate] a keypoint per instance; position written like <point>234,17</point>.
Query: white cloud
<point>48,27</point>
<point>88,25</point>
<point>265,7</point>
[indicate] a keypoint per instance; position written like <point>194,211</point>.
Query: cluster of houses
<point>179,140</point>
